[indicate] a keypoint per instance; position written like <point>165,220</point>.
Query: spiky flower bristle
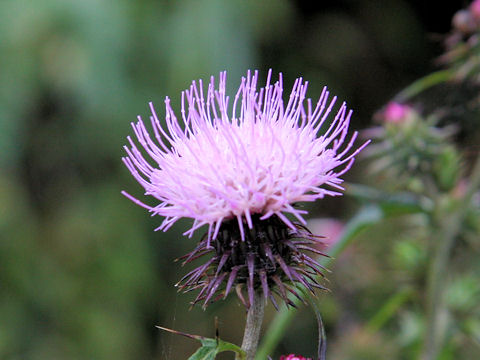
<point>271,258</point>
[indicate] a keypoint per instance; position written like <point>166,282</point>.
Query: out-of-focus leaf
<point>411,328</point>
<point>447,168</point>
<point>322,338</point>
<point>390,307</point>
<point>409,253</point>
<point>391,203</point>
<point>472,327</point>
<point>464,293</point>
<point>423,84</point>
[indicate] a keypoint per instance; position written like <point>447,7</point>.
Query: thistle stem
<point>435,293</point>
<point>253,326</point>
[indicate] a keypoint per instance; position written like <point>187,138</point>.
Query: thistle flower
<point>395,112</point>
<point>239,170</point>
<point>331,230</point>
<point>475,9</point>
<point>462,44</point>
<point>409,149</point>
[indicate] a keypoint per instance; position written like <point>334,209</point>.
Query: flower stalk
<point>253,326</point>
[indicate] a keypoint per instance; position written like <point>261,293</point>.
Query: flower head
<point>462,45</point>
<point>293,357</point>
<point>475,9</point>
<point>395,112</point>
<point>408,149</point>
<point>239,170</point>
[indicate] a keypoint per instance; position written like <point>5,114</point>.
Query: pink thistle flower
<point>396,112</point>
<point>331,230</point>
<point>475,9</point>
<point>239,170</point>
<point>293,357</point>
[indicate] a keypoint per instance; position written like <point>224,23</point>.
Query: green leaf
<point>423,84</point>
<point>206,352</point>
<point>391,204</point>
<point>389,309</point>
<point>210,347</point>
<point>322,338</point>
<point>226,346</point>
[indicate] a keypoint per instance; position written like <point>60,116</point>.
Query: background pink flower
<point>293,357</point>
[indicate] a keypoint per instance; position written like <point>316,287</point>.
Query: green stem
<point>367,216</point>
<point>445,236</point>
<point>253,326</point>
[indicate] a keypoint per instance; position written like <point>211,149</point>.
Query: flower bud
<point>293,357</point>
<point>447,168</point>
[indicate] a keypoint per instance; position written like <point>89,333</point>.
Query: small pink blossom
<point>395,112</point>
<point>460,190</point>
<point>475,9</point>
<point>331,230</point>
<point>293,357</point>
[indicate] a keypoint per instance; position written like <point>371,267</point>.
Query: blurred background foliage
<point>82,274</point>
